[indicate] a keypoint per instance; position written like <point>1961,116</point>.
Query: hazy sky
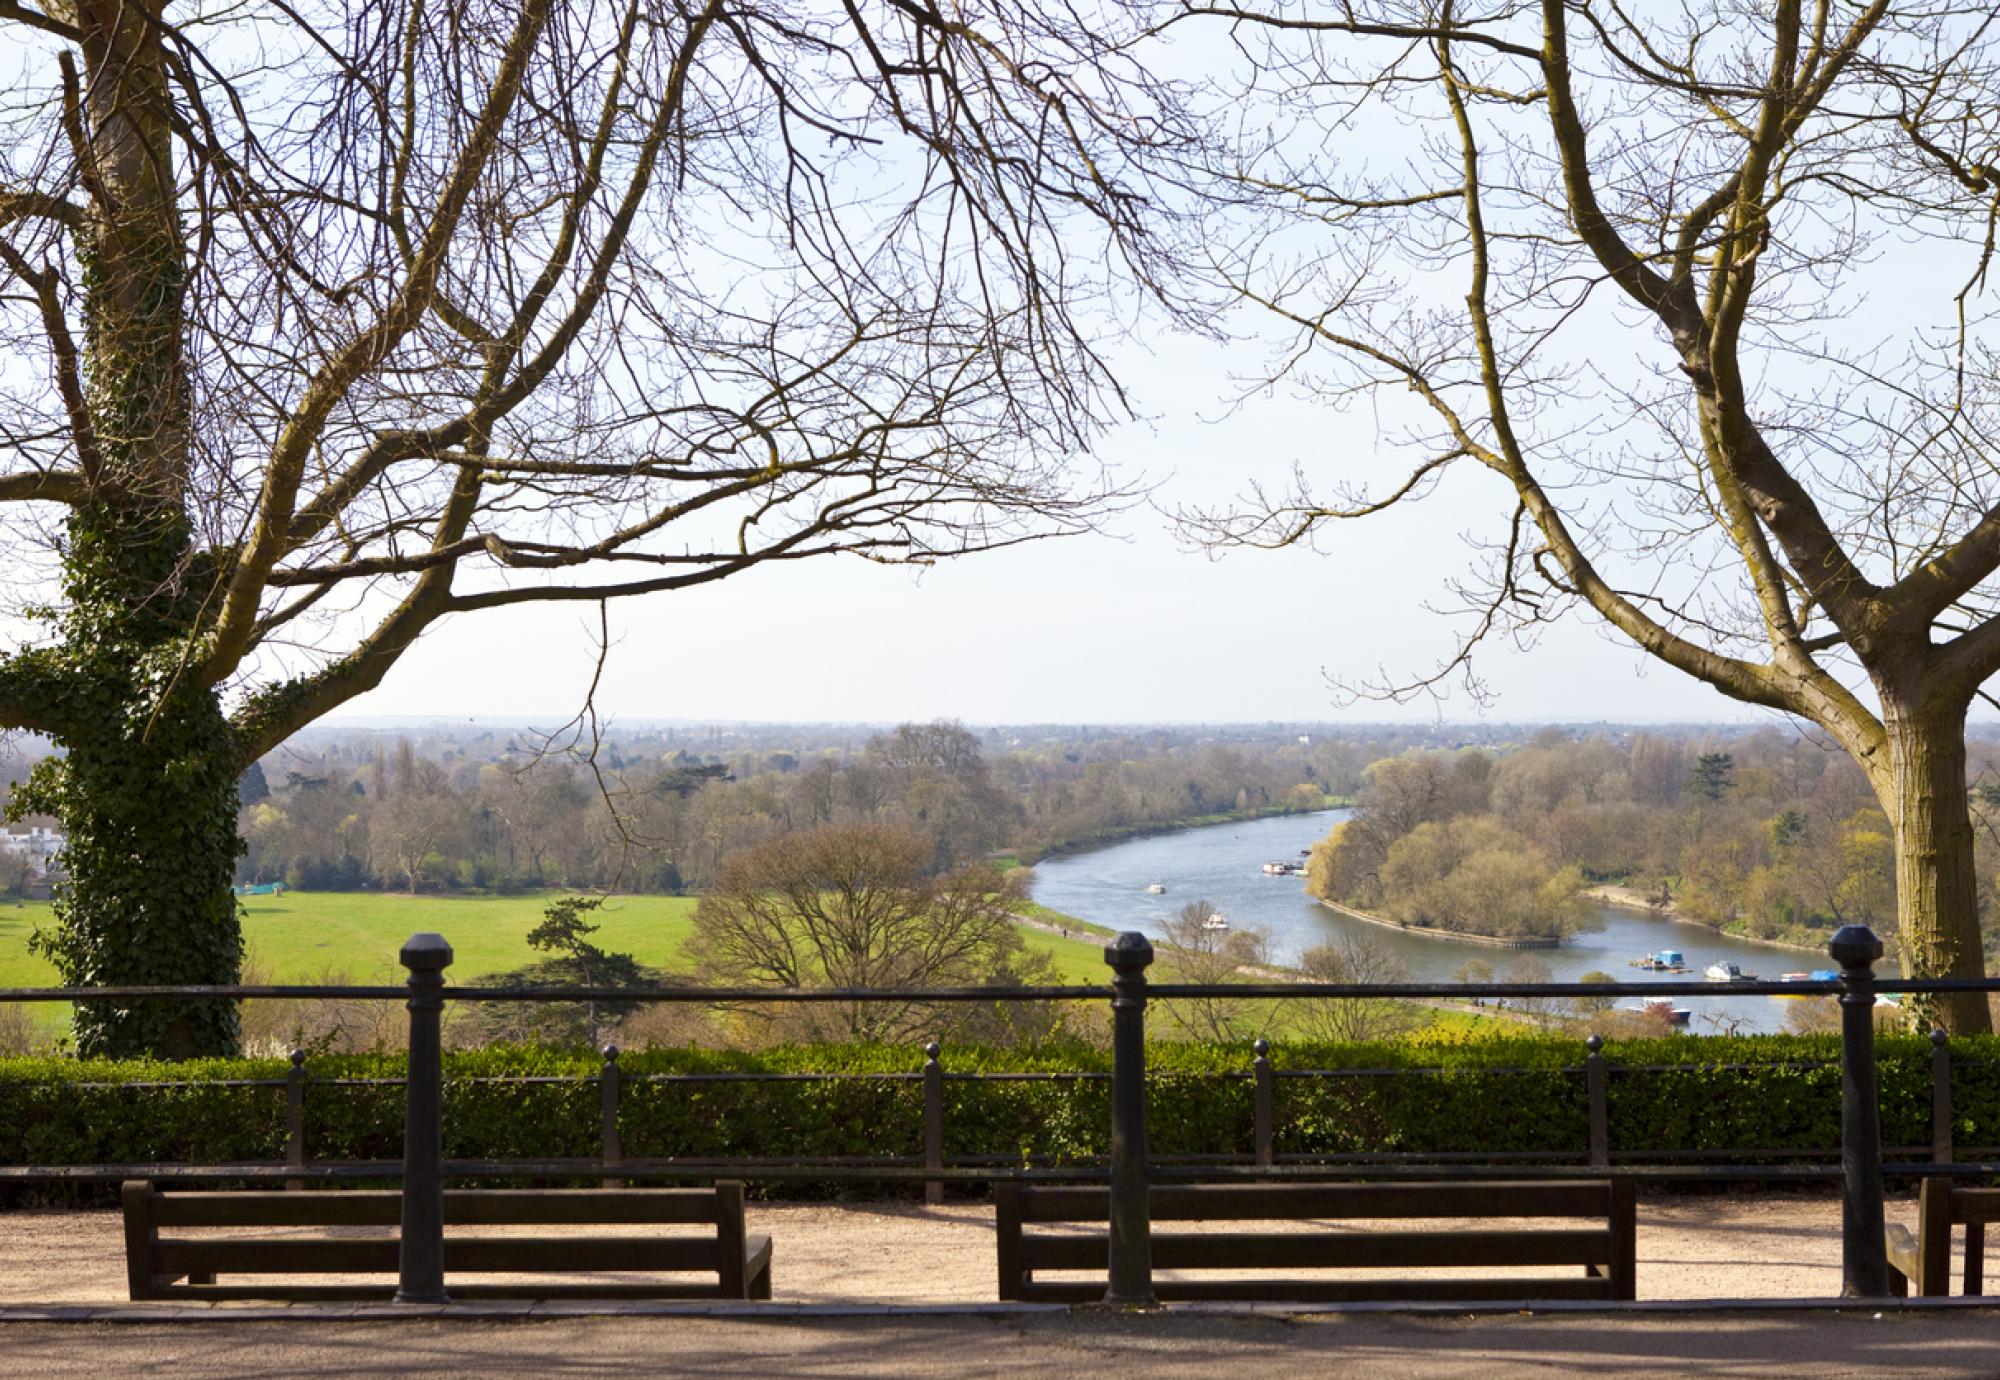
<point>1130,626</point>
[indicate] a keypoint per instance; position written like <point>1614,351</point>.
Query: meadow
<point>306,936</point>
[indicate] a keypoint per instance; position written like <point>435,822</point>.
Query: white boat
<point>1663,1008</point>
<point>1727,972</point>
<point>1217,921</point>
<point>1157,889</point>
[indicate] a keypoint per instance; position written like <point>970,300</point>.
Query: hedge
<point>1491,1095</point>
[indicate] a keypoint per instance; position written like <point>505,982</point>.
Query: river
<point>1220,864</point>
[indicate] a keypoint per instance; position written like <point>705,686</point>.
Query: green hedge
<point>1488,1095</point>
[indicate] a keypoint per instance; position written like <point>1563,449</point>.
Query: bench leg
<point>760,1283</point>
<point>1007,1237</point>
<point>1624,1240</point>
<point>141,1236</point>
<point>1975,1258</point>
<point>1934,1238</point>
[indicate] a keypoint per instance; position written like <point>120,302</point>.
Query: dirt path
<point>898,1253</point>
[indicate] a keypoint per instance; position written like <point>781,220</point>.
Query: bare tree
<point>1526,968</point>
<point>1353,959</point>
<point>1699,290</point>
<point>857,906</point>
<point>333,320</point>
<point>1196,949</point>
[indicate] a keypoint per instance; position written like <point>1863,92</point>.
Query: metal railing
<point>1130,1168</point>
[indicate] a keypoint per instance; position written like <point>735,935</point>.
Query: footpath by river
<point>1222,864</point>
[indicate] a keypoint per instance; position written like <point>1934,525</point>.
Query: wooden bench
<point>158,1255</point>
<point>1923,1261</point>
<point>1603,1251</point>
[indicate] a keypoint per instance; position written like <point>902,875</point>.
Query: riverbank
<point>1110,887</point>
<point>1490,941</point>
<point>1107,838</point>
<point>1626,898</point>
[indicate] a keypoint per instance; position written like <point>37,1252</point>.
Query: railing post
<point>1941,1148</point>
<point>1261,1069</point>
<point>1596,1083</point>
<point>1864,1263</point>
<point>609,1084</point>
<point>1131,1215</point>
<point>933,1120</point>
<point>422,1255</point>
<point>295,1117</point>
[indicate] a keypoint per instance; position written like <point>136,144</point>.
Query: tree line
<point>406,819</point>
<point>1770,835</point>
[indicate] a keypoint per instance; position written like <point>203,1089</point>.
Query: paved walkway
<point>1175,1346</point>
<point>1729,1246</point>
<point>836,1261</point>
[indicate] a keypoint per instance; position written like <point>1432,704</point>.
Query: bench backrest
<point>1603,1248</point>
<point>1309,1202</point>
<point>149,1256</point>
<point>1973,1204</point>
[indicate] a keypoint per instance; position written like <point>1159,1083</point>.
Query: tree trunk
<point>1937,892</point>
<point>146,790</point>
<point>148,809</point>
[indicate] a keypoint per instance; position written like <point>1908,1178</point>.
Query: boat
<point>1664,961</point>
<point>1157,889</point>
<point>1726,971</point>
<point>1663,1008</point>
<point>1217,921</point>
<point>1282,869</point>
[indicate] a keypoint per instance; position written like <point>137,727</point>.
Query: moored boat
<point>1725,971</point>
<point>1662,1008</point>
<point>1157,889</point>
<point>1663,961</point>
<point>1217,921</point>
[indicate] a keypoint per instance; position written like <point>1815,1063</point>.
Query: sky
<point>1132,625</point>
<point>1126,625</point>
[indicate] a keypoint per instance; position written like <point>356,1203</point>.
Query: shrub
<point>1512,1094</point>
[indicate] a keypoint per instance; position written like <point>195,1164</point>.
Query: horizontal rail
<point>1090,1171</point>
<point>592,1079</point>
<point>1164,991</point>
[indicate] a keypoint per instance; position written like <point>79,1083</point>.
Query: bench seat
<point>164,1260</point>
<point>1602,1249</point>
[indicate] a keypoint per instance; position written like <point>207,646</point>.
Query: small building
<point>38,844</point>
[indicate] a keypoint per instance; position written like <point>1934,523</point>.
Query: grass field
<point>306,935</point>
<point>310,936</point>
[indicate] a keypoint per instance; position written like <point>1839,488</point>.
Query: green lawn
<point>306,935</point>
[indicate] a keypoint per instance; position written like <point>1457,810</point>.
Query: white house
<point>34,842</point>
